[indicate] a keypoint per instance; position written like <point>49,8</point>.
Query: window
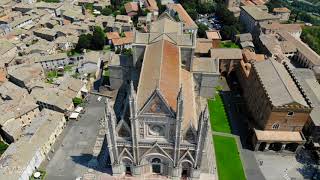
<point>275,126</point>
<point>290,113</point>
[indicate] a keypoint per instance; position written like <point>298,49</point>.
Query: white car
<point>99,98</point>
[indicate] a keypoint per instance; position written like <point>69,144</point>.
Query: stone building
<point>277,107</point>
<point>283,13</point>
<point>252,16</point>
<point>161,127</point>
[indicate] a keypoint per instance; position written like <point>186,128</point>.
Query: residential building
<point>18,110</point>
<point>229,59</point>
<point>162,122</point>
<point>283,13</point>
<point>23,157</point>
<point>7,52</point>
<point>90,63</point>
<point>131,8</point>
<point>277,107</point>
<point>252,16</point>
<point>25,75</point>
<point>310,89</point>
<point>66,43</point>
<point>215,37</point>
<point>46,33</point>
<point>188,24</point>
<point>304,55</point>
<point>51,62</point>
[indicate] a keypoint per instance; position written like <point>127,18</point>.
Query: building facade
<point>277,107</point>
<point>159,127</point>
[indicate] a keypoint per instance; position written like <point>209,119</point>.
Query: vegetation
<point>50,1</point>
<point>77,101</point>
<point>51,75</point>
<point>93,42</point>
<point>106,11</point>
<point>67,68</point>
<point>228,44</point>
<point>228,160</point>
<point>231,25</point>
<point>42,177</point>
<point>311,36</point>
<point>127,52</point>
<point>193,7</point>
<point>3,147</point>
<point>73,53</point>
<point>75,75</point>
<point>202,30</point>
<point>218,118</point>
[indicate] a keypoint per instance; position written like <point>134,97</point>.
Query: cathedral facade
<point>162,127</point>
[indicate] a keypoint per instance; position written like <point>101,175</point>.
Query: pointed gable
<point>156,105</point>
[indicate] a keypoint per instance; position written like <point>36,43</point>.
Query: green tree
<point>98,39</point>
<point>228,32</point>
<point>106,11</point>
<point>192,13</point>
<point>202,30</point>
<point>84,42</point>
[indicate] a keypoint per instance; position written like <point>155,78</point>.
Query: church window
<point>275,126</point>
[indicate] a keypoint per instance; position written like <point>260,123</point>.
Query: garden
<point>218,117</point>
<point>228,160</point>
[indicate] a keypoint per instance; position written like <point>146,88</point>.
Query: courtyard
<point>276,166</point>
<point>228,159</point>
<point>218,117</point>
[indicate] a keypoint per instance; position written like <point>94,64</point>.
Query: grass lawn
<point>218,117</point>
<point>67,68</point>
<point>3,147</point>
<point>228,44</point>
<point>228,160</point>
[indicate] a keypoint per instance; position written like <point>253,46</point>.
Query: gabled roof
<point>183,16</point>
<point>160,70</point>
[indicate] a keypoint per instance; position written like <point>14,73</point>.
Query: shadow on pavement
<point>90,161</point>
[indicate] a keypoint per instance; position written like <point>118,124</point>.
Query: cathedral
<point>161,125</point>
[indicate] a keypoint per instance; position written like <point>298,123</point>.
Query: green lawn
<point>228,44</point>
<point>228,160</point>
<point>3,147</point>
<point>218,118</point>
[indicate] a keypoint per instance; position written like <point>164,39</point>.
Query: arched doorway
<point>156,165</point>
<point>291,147</point>
<point>185,169</point>
<point>275,146</point>
<point>127,165</point>
<point>262,146</point>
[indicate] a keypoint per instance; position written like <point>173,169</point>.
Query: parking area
<point>210,21</point>
<point>73,150</point>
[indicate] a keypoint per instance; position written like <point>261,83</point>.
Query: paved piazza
<point>287,167</point>
<point>77,145</point>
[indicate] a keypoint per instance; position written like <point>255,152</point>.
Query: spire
<point>180,94</point>
<point>180,105</point>
<point>132,92</point>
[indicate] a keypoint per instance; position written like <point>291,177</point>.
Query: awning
<point>279,136</point>
<point>78,109</point>
<point>74,115</point>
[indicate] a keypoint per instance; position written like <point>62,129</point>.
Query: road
<point>74,149</point>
